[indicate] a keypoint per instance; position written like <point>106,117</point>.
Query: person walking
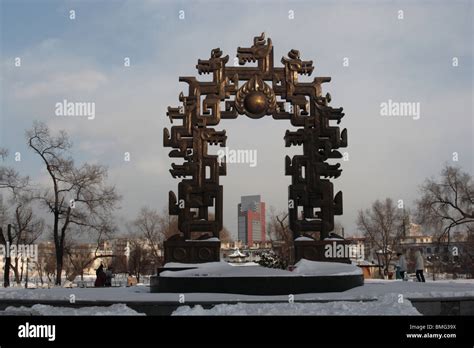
<point>402,265</point>
<point>420,266</point>
<point>100,276</point>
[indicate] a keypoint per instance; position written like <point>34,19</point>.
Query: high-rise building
<point>251,220</point>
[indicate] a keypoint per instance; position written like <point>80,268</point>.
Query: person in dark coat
<point>101,277</point>
<point>402,265</point>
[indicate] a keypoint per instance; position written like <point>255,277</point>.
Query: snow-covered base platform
<point>375,297</point>
<point>222,277</point>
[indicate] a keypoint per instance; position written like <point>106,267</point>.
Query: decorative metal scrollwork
<point>265,91</point>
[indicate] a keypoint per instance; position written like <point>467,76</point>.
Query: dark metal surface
<point>255,91</point>
<point>262,285</point>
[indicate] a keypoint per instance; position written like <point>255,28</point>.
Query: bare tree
<point>76,196</point>
<point>45,266</point>
<point>154,228</point>
<point>280,234</point>
<point>83,255</point>
<point>446,204</point>
<point>140,259</point>
<point>5,240</point>
<point>224,235</point>
<point>10,178</point>
<point>382,227</point>
<point>25,227</point>
<point>467,258</point>
<point>80,257</point>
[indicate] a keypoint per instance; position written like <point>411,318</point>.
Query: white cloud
<point>61,84</point>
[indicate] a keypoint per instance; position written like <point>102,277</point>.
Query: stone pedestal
<point>263,281</point>
<point>256,285</point>
<point>315,250</point>
<point>191,251</point>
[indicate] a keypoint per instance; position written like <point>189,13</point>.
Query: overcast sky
<point>403,60</point>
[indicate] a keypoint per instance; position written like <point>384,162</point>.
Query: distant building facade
<point>251,220</point>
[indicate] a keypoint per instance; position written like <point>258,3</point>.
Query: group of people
<point>103,278</point>
<point>419,266</point>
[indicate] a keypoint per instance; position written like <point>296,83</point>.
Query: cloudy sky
<point>403,60</point>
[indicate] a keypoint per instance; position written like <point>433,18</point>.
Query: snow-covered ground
<point>387,305</point>
<point>386,294</point>
<point>315,268</point>
<point>372,289</point>
<point>375,297</point>
<point>39,309</point>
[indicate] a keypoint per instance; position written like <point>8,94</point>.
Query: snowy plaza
<point>375,297</point>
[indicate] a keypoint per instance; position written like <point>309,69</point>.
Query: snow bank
<point>244,264</point>
<point>224,269</point>
<point>316,268</point>
<point>189,265</point>
<point>387,305</point>
<point>304,238</point>
<point>87,294</point>
<point>372,289</point>
<point>212,239</point>
<point>39,309</point>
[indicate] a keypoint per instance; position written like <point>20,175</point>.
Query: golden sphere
<point>255,103</point>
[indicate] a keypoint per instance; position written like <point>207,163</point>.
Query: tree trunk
<point>59,256</point>
<point>59,242</point>
<point>6,273</point>
<point>6,242</point>
<point>59,265</point>
<point>16,272</point>
<point>21,272</point>
<point>59,260</point>
<point>40,273</point>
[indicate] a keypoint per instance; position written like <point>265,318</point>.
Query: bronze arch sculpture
<point>255,92</point>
